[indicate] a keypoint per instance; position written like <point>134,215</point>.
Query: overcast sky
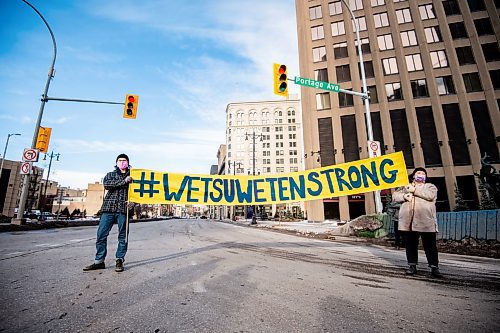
<point>185,59</point>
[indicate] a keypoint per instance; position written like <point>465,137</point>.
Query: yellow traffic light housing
<point>280,80</point>
<point>43,139</point>
<point>130,109</point>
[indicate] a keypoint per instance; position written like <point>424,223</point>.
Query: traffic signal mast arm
<point>78,100</point>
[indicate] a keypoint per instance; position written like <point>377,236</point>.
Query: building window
<point>315,13</point>
<point>321,75</point>
<point>377,130</point>
<point>365,46</point>
<point>385,42</point>
<point>340,50</point>
<point>438,59</point>
<point>403,15</point>
<point>484,130</point>
<point>393,91</point>
<point>326,146</point>
<point>361,24</point>
<point>433,35</point>
<point>445,85</point>
<point>319,54</point>
<point>419,88</point>
<point>349,138</point>
<point>495,78</point>
<point>491,52</point>
<point>335,7</point>
<point>345,100</point>
<point>323,101</point>
<point>376,3</point>
<point>401,135</point>
<point>458,30</point>
<point>381,20</point>
<point>343,73</point>
<point>414,62</point>
<point>483,27</point>
<point>408,38</point>
<point>317,32</point>
<point>390,66</point>
<point>428,137</point>
<point>338,28</point>
<point>356,4</point>
<point>476,5</point>
<point>427,12</point>
<point>456,134</point>
<point>451,7</point>
<point>372,91</point>
<point>369,72</point>
<point>465,55</point>
<point>472,82</point>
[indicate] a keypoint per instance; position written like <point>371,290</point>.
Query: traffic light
<point>280,80</point>
<point>130,109</point>
<point>43,139</point>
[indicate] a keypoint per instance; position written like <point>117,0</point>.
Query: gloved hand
<point>410,188</point>
<point>408,196</point>
<point>128,179</point>
<point>130,205</point>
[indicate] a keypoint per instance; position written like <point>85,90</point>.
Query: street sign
<point>317,84</point>
<point>30,155</point>
<point>374,148</point>
<point>25,168</point>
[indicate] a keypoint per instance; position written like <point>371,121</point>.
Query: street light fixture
<point>5,151</point>
<point>253,135</point>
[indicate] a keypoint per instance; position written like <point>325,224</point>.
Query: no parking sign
<point>374,149</point>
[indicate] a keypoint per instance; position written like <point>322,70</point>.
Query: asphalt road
<point>205,276</point>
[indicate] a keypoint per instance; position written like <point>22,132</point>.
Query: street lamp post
<point>24,192</point>
<point>254,216</point>
<point>5,151</point>
<point>366,100</point>
<point>52,155</point>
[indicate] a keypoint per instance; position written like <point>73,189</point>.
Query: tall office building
<point>264,138</point>
<point>433,76</point>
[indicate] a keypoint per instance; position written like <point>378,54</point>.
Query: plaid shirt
<point>115,199</point>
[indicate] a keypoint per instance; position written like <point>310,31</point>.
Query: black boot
<point>94,266</point>
<point>436,273</point>
<point>412,270</point>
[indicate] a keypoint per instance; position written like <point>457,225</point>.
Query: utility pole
<point>365,97</point>
<point>254,216</point>
<point>52,155</point>
<point>24,192</point>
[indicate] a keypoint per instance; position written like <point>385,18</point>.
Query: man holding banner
<point>114,209</point>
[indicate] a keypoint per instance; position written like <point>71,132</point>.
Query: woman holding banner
<point>417,219</point>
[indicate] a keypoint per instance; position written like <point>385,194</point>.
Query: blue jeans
<point>105,225</point>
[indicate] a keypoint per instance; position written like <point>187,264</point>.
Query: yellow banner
<point>154,187</point>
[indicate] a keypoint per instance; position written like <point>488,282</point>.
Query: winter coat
<point>419,213</point>
<point>115,199</point>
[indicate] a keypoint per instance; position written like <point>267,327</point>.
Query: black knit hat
<point>416,170</point>
<point>122,156</point>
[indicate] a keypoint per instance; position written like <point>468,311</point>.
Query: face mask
<point>122,165</point>
<point>420,179</point>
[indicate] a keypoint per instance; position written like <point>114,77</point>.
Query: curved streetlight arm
<point>24,192</point>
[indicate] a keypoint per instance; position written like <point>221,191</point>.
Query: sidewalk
<point>323,230</point>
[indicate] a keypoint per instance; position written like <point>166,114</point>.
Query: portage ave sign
<point>316,84</point>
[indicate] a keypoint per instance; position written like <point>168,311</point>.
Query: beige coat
<point>419,213</point>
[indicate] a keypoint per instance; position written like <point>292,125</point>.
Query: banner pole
<point>126,224</point>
